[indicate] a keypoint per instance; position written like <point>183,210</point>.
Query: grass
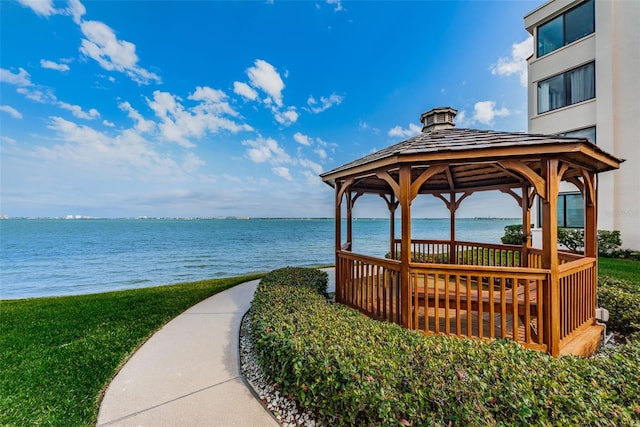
<point>621,269</point>
<point>59,354</point>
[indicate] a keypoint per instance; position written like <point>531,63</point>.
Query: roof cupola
<point>438,118</point>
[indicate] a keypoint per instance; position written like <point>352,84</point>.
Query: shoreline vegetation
<point>58,354</point>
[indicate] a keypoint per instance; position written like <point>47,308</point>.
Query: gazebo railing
<point>479,301</point>
<point>480,298</point>
<point>371,285</point>
<point>473,253</point>
<point>577,295</point>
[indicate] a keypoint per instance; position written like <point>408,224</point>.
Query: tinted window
<point>579,22</point>
<point>550,36</point>
<point>566,28</point>
<point>568,88</point>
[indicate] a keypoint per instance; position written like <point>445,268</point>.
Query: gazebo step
<point>584,344</point>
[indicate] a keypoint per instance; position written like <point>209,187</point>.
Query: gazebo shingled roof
<point>457,147</point>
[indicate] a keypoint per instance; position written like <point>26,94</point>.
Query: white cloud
<point>179,123</point>
<point>321,153</point>
<point>302,139</point>
<point>484,112</point>
<point>315,167</point>
<point>517,62</point>
<point>263,150</point>
<point>282,172</point>
<point>45,63</point>
<point>8,140</point>
<point>77,10</point>
<point>324,103</point>
<point>78,112</point>
<point>399,132</point>
<point>40,7</point>
<point>21,78</point>
<point>108,123</point>
<point>102,45</point>
<point>126,153</point>
<point>245,90</point>
<point>338,4</point>
<point>461,119</point>
<point>142,125</point>
<point>37,95</point>
<point>287,117</point>
<point>12,111</point>
<point>265,77</point>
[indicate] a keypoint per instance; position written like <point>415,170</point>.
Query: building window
<point>568,88</point>
<point>570,210</point>
<point>589,133</point>
<point>566,28</point>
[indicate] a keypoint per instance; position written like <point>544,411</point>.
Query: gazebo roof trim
<point>461,140</point>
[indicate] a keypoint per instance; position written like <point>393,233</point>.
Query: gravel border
<point>285,410</point>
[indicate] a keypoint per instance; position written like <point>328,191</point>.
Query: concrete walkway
<point>188,373</point>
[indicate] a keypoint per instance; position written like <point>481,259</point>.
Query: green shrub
<point>623,302</point>
<point>298,276</point>
<point>571,238</point>
<point>513,235</point>
<point>352,370</point>
<point>608,242</point>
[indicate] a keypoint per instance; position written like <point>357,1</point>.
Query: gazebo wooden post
<point>349,220</point>
<point>526,226</point>
<point>392,205</point>
<point>551,295</point>
<point>590,213</point>
<point>453,257</point>
<point>405,247</point>
<point>591,229</point>
<point>338,243</point>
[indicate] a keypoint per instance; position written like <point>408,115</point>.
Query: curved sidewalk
<point>188,373</point>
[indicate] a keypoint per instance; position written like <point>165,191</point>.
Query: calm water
<point>68,257</point>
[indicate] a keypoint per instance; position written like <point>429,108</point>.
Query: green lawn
<point>622,269</point>
<point>58,354</point>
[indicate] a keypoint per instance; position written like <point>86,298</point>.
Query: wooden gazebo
<point>544,299</point>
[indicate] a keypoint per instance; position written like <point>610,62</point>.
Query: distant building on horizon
<point>584,81</point>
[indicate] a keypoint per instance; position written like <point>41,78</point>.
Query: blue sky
<point>201,108</point>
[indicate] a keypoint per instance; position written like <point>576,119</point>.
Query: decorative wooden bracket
<point>589,185</point>
<point>424,176</point>
<point>512,194</point>
<point>345,185</point>
<point>389,180</point>
<point>456,203</point>
<point>536,180</point>
<point>356,197</point>
<point>391,205</point>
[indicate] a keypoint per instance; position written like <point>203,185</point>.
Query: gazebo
<point>545,299</point>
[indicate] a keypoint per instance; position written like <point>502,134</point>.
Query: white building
<point>584,80</point>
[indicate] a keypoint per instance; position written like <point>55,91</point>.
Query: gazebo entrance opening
<point>542,298</point>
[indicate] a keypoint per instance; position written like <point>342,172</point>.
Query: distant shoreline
<point>235,218</point>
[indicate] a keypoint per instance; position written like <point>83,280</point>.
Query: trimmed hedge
<point>351,370</point>
<point>298,276</point>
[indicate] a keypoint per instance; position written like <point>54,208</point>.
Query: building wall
<point>615,110</point>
